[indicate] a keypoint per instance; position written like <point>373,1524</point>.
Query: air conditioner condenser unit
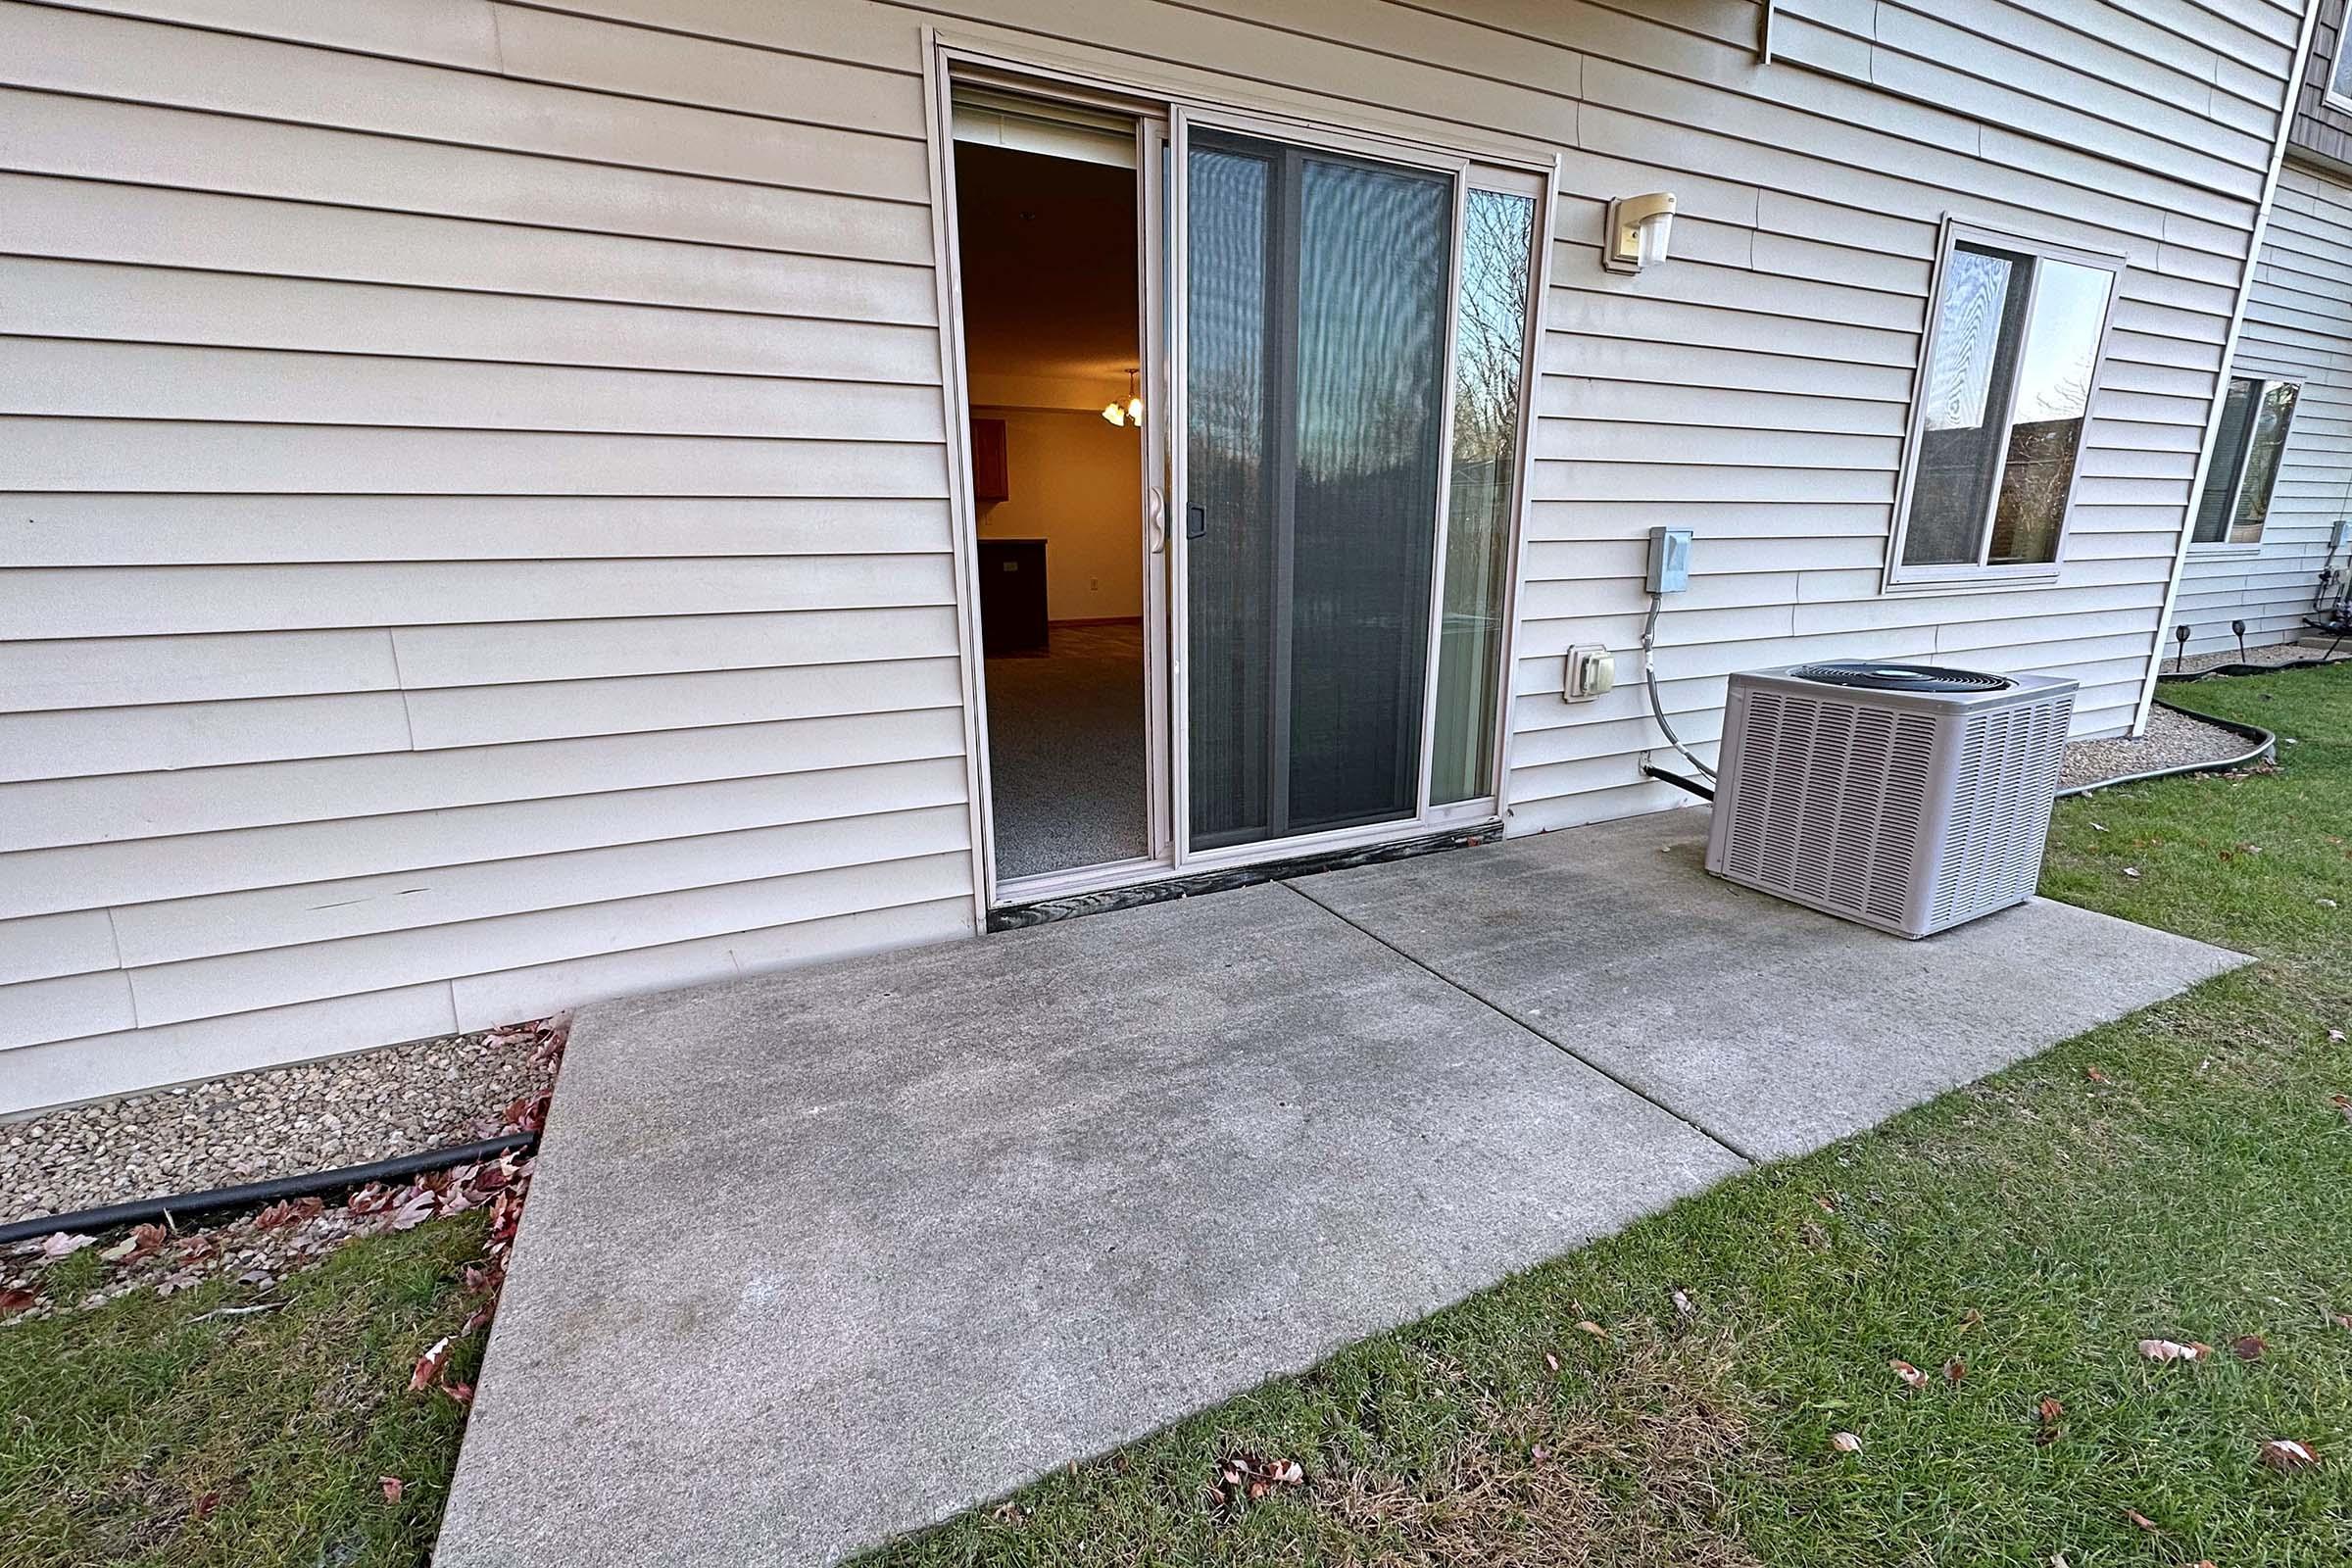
<point>1902,796</point>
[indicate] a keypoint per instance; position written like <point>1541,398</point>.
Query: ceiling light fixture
<point>1129,412</point>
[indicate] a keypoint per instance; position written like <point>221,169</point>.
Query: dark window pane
<point>1979,323</point>
<point>2274,413</point>
<point>1229,478</point>
<point>2229,461</point>
<point>1490,363</point>
<point>1374,249</point>
<point>2052,403</point>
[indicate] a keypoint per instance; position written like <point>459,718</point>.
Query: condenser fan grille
<point>1875,677</point>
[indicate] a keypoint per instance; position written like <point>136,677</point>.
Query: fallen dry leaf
<point>2047,1433</point>
<point>1913,1376</point>
<point>13,1301</point>
<point>1954,1370</point>
<point>64,1243</point>
<point>2343,1103</point>
<point>2143,1521</point>
<point>1972,1318</point>
<point>1683,1307</point>
<point>203,1506</point>
<point>2342,1320</point>
<point>2058,1560</point>
<point>393,1487</point>
<point>2248,1347</point>
<point>428,1367</point>
<point>1551,1362</point>
<point>1845,1442</point>
<point>2174,1351</point>
<point>2097,1076</point>
<point>1592,1328</point>
<point>2132,872</point>
<point>463,1392</point>
<point>2335,1037</point>
<point>2287,1455</point>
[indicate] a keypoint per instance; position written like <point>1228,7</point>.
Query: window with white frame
<point>2012,360</point>
<point>2339,80</point>
<point>2247,446</point>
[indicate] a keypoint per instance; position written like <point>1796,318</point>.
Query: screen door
<point>1315,307</point>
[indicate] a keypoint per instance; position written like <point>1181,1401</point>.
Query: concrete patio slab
<point>829,1254</point>
<point>1775,1028</point>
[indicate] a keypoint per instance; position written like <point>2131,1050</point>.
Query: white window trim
<point>1900,577</point>
<point>2335,64</point>
<point>2225,547</point>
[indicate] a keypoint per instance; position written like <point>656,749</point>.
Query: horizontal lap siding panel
<point>867,765</point>
<point>247,386</point>
<point>165,530</point>
<point>157,304</point>
<point>139,62</point>
<point>187,149</point>
<point>142,226</point>
<point>50,947</point>
<point>132,600</point>
<point>116,673</point>
<point>49,454</point>
<point>864,873</point>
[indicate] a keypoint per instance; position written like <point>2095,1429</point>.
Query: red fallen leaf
<point>2288,1457</point>
<point>392,1484</point>
<point>2342,1320</point>
<point>475,1319</point>
<point>428,1367</point>
<point>2248,1347</point>
<point>415,1211</point>
<point>373,1198</point>
<point>2143,1521</point>
<point>1829,1205</point>
<point>2050,1410</point>
<point>288,1211</point>
<point>202,1508</point>
<point>2343,1103</point>
<point>2097,1076</point>
<point>463,1392</point>
<point>1954,1370</point>
<point>1913,1376</point>
<point>13,1301</point>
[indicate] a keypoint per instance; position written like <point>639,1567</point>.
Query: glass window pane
<point>1230,516</point>
<point>2274,414</point>
<point>2052,403</point>
<point>1978,324</point>
<point>1375,244</point>
<point>2341,85</point>
<point>2230,439</point>
<point>1490,363</point>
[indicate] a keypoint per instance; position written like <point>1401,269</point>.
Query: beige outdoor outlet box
<point>1592,671</point>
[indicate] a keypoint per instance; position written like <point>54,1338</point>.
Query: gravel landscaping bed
<point>2267,654</point>
<point>280,1121</point>
<point>2173,740</point>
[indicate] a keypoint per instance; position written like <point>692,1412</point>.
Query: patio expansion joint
<point>1512,1018</point>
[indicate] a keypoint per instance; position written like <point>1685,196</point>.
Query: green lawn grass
<point>2033,1228</point>
<point>147,1432</point>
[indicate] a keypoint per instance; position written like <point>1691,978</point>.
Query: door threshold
<point>1045,911</point>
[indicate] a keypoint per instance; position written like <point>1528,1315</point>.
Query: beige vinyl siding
<point>2298,328</point>
<point>479,513</point>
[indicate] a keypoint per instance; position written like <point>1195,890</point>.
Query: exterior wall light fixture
<point>1637,226</point>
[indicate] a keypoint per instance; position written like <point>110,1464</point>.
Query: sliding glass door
<point>1317,303</point>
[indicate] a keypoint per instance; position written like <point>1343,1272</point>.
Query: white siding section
<point>474,500</point>
<point>2298,327</point>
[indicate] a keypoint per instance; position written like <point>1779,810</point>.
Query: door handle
<point>1196,521</point>
<point>1156,511</point>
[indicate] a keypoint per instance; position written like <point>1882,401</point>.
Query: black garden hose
<point>255,1195</point>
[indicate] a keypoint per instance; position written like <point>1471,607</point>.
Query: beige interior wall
<point>1075,482</point>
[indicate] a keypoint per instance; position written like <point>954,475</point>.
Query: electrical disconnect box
<point>1668,559</point>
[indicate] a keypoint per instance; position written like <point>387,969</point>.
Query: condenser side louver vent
<point>1912,808</point>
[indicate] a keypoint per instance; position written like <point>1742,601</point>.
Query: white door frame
<point>1168,111</point>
